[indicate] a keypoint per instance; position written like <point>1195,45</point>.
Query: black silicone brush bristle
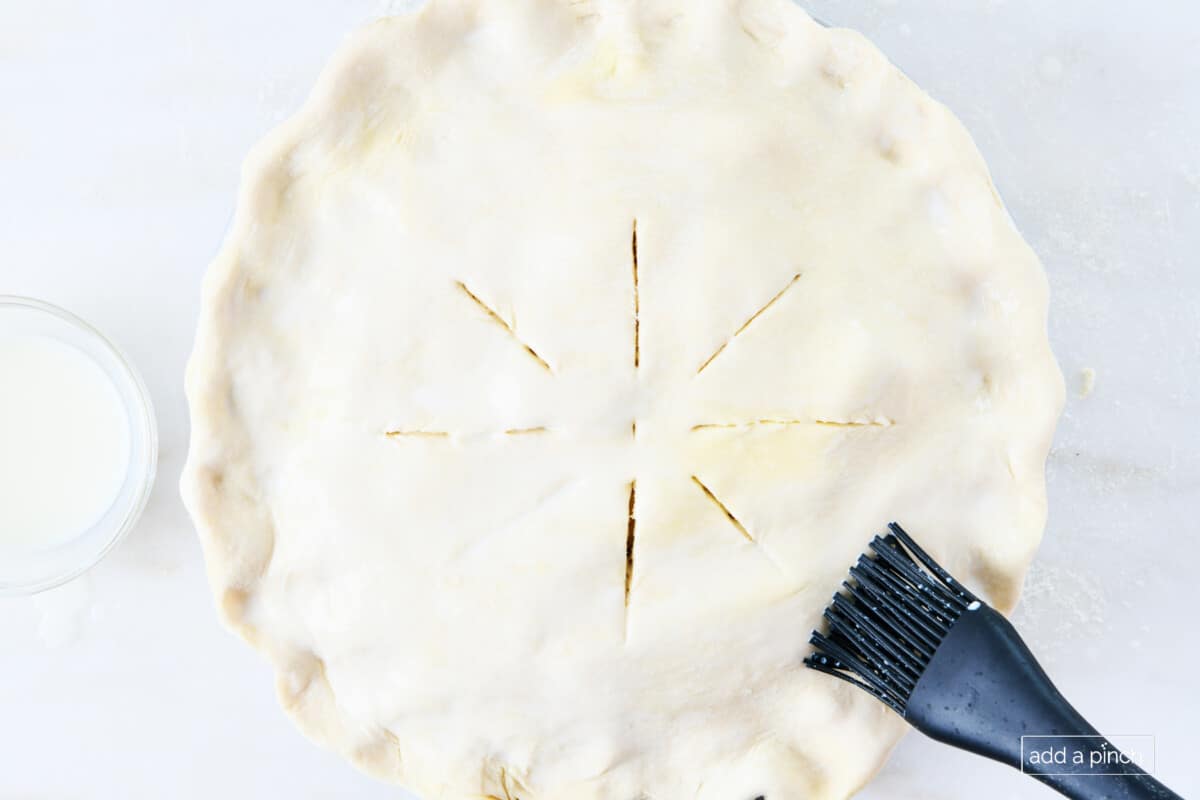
<point>888,623</point>
<point>955,669</point>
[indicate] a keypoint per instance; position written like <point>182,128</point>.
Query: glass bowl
<point>32,571</point>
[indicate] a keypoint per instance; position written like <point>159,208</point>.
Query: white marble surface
<point>122,125</point>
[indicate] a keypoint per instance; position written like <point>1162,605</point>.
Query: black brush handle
<point>983,690</point>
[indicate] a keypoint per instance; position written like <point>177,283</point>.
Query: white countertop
<point>122,126</point>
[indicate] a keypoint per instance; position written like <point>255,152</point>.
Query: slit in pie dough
<point>562,357</point>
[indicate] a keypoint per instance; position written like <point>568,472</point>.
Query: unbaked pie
<point>562,357</point>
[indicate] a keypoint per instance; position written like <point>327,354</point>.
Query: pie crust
<point>562,357</point>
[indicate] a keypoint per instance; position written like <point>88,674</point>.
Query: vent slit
<point>416,434</point>
<point>827,423</point>
<point>724,510</point>
<point>747,323</point>
<point>637,304</point>
<point>630,545</point>
<point>876,423</point>
<point>499,320</point>
<point>524,431</point>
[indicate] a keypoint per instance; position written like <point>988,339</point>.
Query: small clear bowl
<point>38,570</point>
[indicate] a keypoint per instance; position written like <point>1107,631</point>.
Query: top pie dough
<point>563,356</point>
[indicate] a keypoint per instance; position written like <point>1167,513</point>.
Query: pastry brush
<point>906,632</point>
